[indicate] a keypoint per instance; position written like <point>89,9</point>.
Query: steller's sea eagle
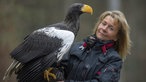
<point>45,46</point>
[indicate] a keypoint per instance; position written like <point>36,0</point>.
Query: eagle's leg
<point>47,74</point>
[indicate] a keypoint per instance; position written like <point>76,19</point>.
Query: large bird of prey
<point>45,46</point>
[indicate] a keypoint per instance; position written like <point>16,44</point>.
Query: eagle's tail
<point>15,65</point>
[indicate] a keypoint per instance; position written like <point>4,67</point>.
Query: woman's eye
<point>103,23</point>
<point>111,28</point>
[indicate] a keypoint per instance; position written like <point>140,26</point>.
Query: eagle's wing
<point>42,42</point>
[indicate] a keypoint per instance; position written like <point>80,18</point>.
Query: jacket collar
<point>100,44</point>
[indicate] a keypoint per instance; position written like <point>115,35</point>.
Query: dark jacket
<point>91,65</point>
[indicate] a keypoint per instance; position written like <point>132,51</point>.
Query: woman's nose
<point>105,28</point>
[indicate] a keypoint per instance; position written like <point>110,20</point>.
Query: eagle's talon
<point>47,74</point>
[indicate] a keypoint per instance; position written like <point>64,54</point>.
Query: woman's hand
<point>90,41</point>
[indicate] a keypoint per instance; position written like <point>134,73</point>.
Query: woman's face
<point>107,29</point>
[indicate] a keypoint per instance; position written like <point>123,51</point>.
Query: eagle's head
<point>73,15</point>
<point>79,8</point>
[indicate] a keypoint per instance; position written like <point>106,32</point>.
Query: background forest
<point>18,18</point>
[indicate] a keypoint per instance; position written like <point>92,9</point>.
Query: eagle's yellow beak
<point>87,9</point>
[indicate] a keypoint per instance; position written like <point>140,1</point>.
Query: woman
<point>99,57</point>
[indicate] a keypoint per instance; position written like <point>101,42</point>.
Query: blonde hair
<point>123,44</point>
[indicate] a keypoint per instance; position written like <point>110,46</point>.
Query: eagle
<point>46,46</point>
